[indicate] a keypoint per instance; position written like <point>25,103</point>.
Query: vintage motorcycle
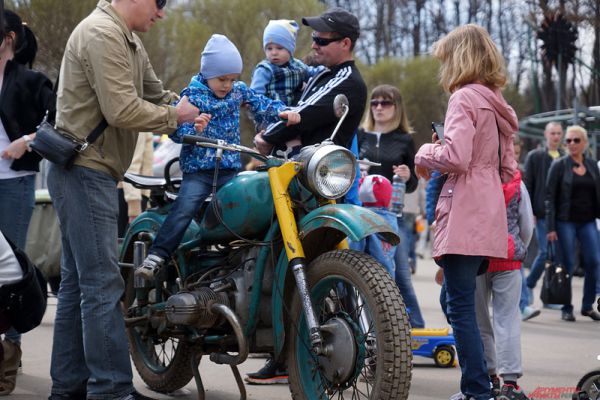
<point>265,267</point>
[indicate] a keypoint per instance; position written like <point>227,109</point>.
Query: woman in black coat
<point>25,97</point>
<point>572,206</point>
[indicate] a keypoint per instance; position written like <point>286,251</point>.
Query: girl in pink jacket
<point>470,214</point>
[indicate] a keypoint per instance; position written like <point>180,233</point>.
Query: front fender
<point>328,225</point>
<point>322,230</point>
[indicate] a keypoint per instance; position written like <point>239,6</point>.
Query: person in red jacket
<point>501,285</point>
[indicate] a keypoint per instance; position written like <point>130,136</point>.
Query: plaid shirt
<point>286,82</point>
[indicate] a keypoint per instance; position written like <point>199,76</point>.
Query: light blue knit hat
<point>282,32</point>
<point>220,57</point>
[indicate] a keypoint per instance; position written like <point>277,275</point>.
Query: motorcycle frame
<point>340,221</point>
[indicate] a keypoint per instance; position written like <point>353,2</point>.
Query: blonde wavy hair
<point>390,93</point>
<point>468,54</point>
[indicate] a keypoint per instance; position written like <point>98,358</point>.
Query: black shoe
<point>595,315</point>
<point>579,271</point>
<point>568,316</point>
<point>138,396</point>
<point>270,374</point>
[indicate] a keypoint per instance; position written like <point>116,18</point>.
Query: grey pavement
<point>555,355</point>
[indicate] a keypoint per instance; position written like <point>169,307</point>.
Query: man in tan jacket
<point>105,73</point>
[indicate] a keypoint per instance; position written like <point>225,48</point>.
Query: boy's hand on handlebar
<point>262,145</point>
<point>186,111</point>
<point>201,122</point>
<point>292,117</point>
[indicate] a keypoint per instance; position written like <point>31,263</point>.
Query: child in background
<point>219,96</point>
<point>502,283</point>
<point>375,192</point>
<point>281,76</point>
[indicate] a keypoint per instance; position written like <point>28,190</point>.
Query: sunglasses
<point>322,42</point>
<point>382,103</point>
<point>160,4</point>
<point>574,140</point>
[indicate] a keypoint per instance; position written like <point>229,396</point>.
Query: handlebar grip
<point>193,139</point>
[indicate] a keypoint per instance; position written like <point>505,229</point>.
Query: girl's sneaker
<point>510,392</point>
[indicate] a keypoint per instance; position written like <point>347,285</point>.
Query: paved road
<point>555,355</point>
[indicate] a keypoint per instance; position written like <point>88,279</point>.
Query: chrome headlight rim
<point>313,161</point>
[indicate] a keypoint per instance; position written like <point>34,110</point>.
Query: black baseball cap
<point>335,20</point>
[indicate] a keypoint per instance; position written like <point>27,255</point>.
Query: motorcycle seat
<point>148,182</point>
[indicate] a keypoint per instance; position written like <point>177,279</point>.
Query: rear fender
<point>322,230</point>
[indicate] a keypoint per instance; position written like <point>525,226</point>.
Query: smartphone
<point>439,131</point>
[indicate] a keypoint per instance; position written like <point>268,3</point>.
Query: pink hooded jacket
<point>470,213</point>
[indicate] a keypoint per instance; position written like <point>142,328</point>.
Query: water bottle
<point>398,191</point>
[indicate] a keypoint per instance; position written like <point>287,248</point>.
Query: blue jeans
<point>89,350</point>
<point>376,247</point>
<point>17,200</point>
<point>460,272</point>
<point>537,268</point>
<point>587,234</point>
<point>404,278</point>
<point>195,188</point>
<point>524,300</point>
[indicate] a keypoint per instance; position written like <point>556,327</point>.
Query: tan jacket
<point>106,72</point>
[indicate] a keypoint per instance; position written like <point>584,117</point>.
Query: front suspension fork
<point>316,339</point>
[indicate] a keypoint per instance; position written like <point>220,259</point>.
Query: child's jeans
<point>195,188</point>
<point>378,248</point>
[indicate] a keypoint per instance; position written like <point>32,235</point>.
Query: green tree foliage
<point>52,26</point>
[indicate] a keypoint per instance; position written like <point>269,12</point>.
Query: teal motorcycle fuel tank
<point>244,205</point>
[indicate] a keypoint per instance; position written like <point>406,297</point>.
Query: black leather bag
<point>556,285</point>
<point>23,303</point>
<point>61,148</point>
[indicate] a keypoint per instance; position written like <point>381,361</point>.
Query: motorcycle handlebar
<point>193,139</point>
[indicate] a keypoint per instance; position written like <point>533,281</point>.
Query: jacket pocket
<point>444,204</point>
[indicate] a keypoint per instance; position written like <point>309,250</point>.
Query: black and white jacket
<point>316,108</point>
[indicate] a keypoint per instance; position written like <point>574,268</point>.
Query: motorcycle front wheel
<point>365,331</point>
<point>163,362</point>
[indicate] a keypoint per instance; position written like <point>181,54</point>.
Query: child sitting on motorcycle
<point>219,96</point>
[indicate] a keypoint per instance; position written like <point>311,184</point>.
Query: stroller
<point>588,387</point>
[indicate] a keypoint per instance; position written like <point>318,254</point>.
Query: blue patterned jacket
<point>224,124</point>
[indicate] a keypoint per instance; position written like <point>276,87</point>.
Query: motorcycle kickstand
<point>200,387</point>
<point>196,369</point>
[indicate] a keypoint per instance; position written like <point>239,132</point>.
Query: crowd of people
<point>475,188</point>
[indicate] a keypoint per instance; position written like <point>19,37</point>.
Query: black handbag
<point>23,303</point>
<point>556,285</point>
<point>61,148</point>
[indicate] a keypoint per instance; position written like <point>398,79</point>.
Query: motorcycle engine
<point>193,308</point>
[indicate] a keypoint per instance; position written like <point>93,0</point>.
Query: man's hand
<point>186,112</point>
<point>292,117</point>
<point>15,150</point>
<point>262,145</point>
<point>422,172</point>
<point>402,171</point>
<point>201,122</point>
<point>552,236</point>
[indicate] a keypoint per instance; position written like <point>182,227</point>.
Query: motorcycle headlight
<point>329,170</point>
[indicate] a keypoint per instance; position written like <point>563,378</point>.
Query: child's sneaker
<point>495,382</point>
<point>150,264</point>
<point>509,392</point>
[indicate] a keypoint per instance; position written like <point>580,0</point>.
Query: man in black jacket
<point>537,164</point>
<point>336,32</point>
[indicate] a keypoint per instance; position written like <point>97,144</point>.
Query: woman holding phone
<point>385,137</point>
<point>470,213</point>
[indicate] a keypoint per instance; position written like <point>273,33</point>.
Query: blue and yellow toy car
<point>438,344</point>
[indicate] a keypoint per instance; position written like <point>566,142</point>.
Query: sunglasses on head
<point>574,140</point>
<point>322,42</point>
<point>382,103</point>
<point>160,4</point>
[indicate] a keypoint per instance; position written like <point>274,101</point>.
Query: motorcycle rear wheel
<point>360,302</point>
<point>163,362</point>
